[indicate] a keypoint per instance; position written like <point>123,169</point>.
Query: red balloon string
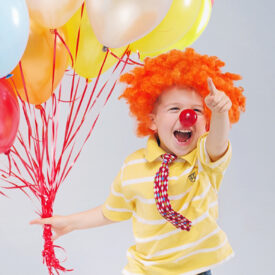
<point>87,107</point>
<point>70,127</point>
<point>120,60</point>
<point>73,104</point>
<point>128,52</point>
<point>24,83</point>
<point>132,62</point>
<point>54,58</point>
<point>78,34</point>
<point>23,103</point>
<point>65,45</point>
<point>68,101</point>
<point>38,164</point>
<point>8,156</point>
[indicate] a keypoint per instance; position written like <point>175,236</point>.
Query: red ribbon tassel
<point>48,252</point>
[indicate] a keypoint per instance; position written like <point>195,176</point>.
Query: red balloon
<point>9,116</point>
<point>188,117</point>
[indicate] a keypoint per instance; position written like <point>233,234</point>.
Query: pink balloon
<point>212,1</point>
<point>9,116</point>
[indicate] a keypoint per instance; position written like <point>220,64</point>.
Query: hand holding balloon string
<point>62,225</point>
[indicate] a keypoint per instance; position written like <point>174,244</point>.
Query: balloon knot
<point>7,76</point>
<point>53,31</point>
<point>39,107</point>
<point>104,49</point>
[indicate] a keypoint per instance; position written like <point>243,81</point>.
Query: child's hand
<point>61,225</point>
<point>217,101</point>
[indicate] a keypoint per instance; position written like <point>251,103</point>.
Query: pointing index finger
<point>211,86</point>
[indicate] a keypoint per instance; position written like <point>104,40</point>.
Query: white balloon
<point>117,23</point>
<point>53,13</point>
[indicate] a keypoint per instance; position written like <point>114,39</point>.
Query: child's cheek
<point>201,125</point>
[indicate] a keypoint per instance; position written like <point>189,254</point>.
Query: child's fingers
<point>226,107</point>
<point>211,86</point>
<point>55,237</point>
<point>209,100</point>
<point>41,221</point>
<point>61,232</point>
<point>222,106</point>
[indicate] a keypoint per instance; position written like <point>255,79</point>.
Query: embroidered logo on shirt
<point>192,177</point>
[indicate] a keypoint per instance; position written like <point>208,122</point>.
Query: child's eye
<point>197,110</point>
<point>174,109</point>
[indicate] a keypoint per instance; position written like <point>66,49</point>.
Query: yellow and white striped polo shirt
<point>193,184</point>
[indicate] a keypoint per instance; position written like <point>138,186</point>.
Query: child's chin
<point>184,148</point>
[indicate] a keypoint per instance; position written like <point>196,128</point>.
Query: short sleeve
<point>213,169</point>
<point>117,207</point>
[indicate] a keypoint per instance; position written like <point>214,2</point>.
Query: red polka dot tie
<point>161,195</point>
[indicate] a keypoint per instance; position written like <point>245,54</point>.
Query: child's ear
<point>153,125</point>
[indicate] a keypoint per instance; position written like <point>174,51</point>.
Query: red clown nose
<point>188,117</point>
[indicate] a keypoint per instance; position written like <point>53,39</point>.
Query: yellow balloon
<point>178,21</point>
<point>193,34</point>
<point>90,54</point>
<point>198,27</point>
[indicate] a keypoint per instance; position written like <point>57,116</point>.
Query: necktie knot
<point>168,158</point>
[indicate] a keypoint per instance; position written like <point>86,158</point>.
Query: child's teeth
<point>184,131</point>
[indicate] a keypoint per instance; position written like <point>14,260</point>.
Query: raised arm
<point>83,220</point>
<point>219,104</point>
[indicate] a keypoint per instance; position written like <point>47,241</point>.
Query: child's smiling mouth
<point>183,135</point>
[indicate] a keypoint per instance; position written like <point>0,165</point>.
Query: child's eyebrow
<point>200,106</point>
<point>177,103</point>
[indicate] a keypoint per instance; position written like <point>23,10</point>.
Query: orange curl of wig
<point>183,69</point>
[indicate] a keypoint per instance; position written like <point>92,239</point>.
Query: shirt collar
<point>153,151</point>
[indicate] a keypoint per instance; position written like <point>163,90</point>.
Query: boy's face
<point>175,138</point>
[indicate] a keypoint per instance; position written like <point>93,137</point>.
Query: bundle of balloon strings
<point>44,153</point>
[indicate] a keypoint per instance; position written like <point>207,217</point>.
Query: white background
<point>242,34</point>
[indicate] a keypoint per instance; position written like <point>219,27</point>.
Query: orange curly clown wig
<point>177,68</point>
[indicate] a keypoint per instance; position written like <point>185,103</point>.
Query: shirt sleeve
<point>117,207</point>
<point>213,169</point>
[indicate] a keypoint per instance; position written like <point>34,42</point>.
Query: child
<point>169,242</point>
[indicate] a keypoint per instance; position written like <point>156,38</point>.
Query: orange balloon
<point>37,65</point>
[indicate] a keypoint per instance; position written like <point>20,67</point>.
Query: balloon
<point>193,34</point>
<point>53,13</point>
<point>198,27</point>
<point>188,117</point>
<point>90,52</point>
<point>9,116</point>
<point>37,65</point>
<point>178,21</point>
<point>117,23</point>
<point>14,33</point>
